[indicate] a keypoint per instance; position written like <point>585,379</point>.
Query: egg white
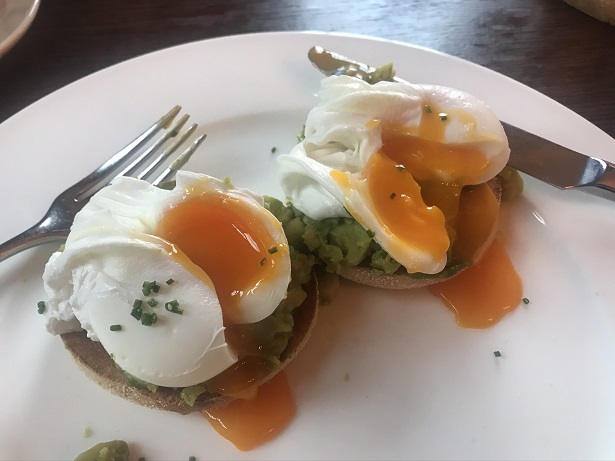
<point>112,249</point>
<point>344,130</point>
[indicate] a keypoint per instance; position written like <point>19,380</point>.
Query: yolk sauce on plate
<point>445,218</point>
<point>248,423</point>
<point>220,234</point>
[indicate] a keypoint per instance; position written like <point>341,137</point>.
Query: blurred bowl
<point>604,10</point>
<point>15,19</point>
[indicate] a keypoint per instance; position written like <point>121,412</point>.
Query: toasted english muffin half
<point>96,363</point>
<point>366,275</point>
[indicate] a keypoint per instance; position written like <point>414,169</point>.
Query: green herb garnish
<point>263,261</point>
<point>400,167</point>
<point>41,307</point>
<point>137,310</point>
<point>392,196</point>
<point>497,353</point>
<point>428,108</point>
<point>272,250</point>
<point>274,150</point>
<point>173,306</point>
<point>192,458</point>
<point>170,282</point>
<point>149,287</point>
<point>370,233</point>
<point>148,319</point>
<point>152,302</point>
<point>115,328</point>
<point>443,116</point>
<point>525,301</point>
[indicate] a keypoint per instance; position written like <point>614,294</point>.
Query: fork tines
<point>142,158</point>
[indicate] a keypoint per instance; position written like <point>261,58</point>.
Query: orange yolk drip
<point>401,209</point>
<point>222,236</point>
<point>475,221</point>
<point>250,423</point>
<point>416,204</point>
<point>424,158</point>
<point>482,294</point>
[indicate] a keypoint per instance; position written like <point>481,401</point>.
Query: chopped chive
<point>115,328</point>
<point>497,353</point>
<point>525,301</point>
<point>137,310</point>
<point>152,302</point>
<point>272,250</point>
<point>443,116</point>
<point>148,319</point>
<point>173,303</point>
<point>274,150</point>
<point>41,307</point>
<point>263,261</point>
<point>228,182</point>
<point>170,282</point>
<point>392,196</point>
<point>173,306</point>
<point>142,458</point>
<point>428,108</point>
<point>370,233</point>
<point>148,287</point>
<point>192,458</point>
<point>400,167</point>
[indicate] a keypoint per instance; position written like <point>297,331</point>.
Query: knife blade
<point>538,157</point>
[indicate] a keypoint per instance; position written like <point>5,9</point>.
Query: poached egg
<point>395,157</point>
<point>217,258</point>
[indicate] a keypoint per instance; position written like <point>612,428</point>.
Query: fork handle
<point>36,235</point>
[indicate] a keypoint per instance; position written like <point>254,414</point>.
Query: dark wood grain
<point>545,44</point>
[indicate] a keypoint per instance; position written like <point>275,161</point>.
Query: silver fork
<point>136,159</point>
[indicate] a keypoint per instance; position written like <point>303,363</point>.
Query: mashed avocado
<point>333,242</point>
<point>114,450</point>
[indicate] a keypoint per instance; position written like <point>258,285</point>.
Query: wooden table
<point>545,44</point>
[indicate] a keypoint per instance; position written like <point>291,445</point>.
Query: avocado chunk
<point>114,450</point>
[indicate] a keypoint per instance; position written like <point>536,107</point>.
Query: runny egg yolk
<point>414,202</point>
<point>221,235</point>
<point>415,183</point>
<point>401,210</point>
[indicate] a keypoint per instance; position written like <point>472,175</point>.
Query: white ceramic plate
<point>418,386</point>
<point>15,19</point>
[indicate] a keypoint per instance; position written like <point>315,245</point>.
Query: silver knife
<point>544,160</point>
